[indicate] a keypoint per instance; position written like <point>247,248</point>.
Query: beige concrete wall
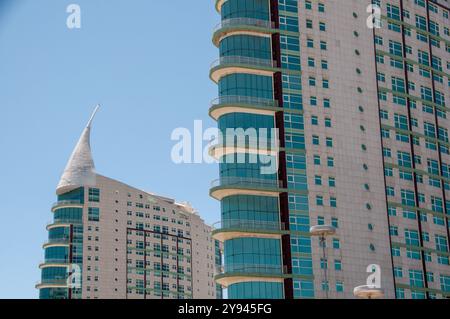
<point>348,138</point>
<point>108,241</point>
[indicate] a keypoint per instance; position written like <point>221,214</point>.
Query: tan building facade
<point>359,95</point>
<point>119,242</point>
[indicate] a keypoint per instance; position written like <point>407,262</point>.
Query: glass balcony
<point>56,241</point>
<point>235,228</point>
<point>227,186</point>
<point>246,182</point>
<point>245,24</point>
<point>63,222</point>
<point>59,282</point>
<point>58,261</point>
<point>243,100</point>
<point>66,203</point>
<point>243,60</point>
<point>233,273</point>
<point>249,224</point>
<point>232,64</point>
<point>237,103</point>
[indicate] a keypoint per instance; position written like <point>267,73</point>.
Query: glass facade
<point>243,209</point>
<point>64,247</point>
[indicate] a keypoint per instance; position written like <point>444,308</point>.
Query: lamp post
<point>322,231</point>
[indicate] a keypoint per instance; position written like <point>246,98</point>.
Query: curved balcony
<point>248,26</point>
<point>67,204</point>
<point>54,263</point>
<point>235,273</point>
<point>57,242</point>
<point>52,283</point>
<point>235,64</point>
<point>219,4</point>
<point>237,144</point>
<point>228,186</point>
<point>63,223</point>
<point>242,104</point>
<point>237,228</point>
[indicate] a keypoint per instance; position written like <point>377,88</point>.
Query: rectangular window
<point>94,214</point>
<point>94,195</point>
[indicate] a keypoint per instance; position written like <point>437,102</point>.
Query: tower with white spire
<point>110,240</point>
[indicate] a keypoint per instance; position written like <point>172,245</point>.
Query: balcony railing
<point>59,282</point>
<point>66,203</point>
<point>233,60</point>
<point>55,261</point>
<point>245,100</point>
<point>255,225</point>
<point>276,270</point>
<point>64,221</point>
<point>247,182</point>
<point>245,22</point>
<point>64,240</point>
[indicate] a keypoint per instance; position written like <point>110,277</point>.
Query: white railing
<point>247,100</point>
<point>249,224</point>
<point>251,269</point>
<point>64,221</point>
<point>54,261</point>
<point>57,241</point>
<point>244,61</point>
<point>244,181</point>
<point>245,22</point>
<point>66,203</point>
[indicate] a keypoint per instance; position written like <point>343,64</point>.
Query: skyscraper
<point>359,105</point>
<point>116,241</point>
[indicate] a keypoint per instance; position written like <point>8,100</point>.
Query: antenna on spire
<point>93,115</point>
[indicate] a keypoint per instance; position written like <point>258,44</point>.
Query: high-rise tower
<point>116,241</point>
<point>363,146</point>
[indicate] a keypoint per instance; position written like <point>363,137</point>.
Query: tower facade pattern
<point>349,147</point>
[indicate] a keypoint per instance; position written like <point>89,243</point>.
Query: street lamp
<point>322,231</point>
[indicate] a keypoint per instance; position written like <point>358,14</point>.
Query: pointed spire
<point>80,169</point>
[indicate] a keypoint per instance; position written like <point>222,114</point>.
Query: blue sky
<point>145,61</point>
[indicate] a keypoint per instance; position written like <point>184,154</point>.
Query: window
<point>330,162</point>
<point>94,214</point>
<point>335,222</point>
<point>336,243</point>
<point>337,265</point>
<point>318,180</point>
<point>321,8</point>
<point>94,195</point>
<point>315,140</point>
<point>331,182</point>
<point>412,237</point>
<point>319,200</point>
<point>322,26</point>
<point>333,202</point>
<point>416,278</point>
<point>316,160</point>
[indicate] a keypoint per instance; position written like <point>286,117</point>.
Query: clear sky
<point>145,61</point>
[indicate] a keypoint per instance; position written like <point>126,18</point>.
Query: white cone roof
<point>80,169</point>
